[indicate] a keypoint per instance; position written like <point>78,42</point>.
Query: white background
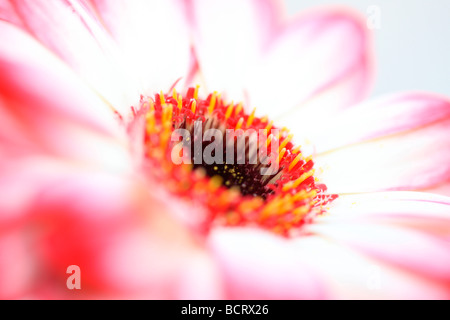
<point>412,48</point>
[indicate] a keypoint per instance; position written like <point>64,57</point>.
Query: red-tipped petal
<point>423,254</point>
<point>45,108</point>
<point>71,30</point>
<point>245,50</point>
<point>321,54</point>
<point>398,143</point>
<point>259,265</point>
<point>350,274</point>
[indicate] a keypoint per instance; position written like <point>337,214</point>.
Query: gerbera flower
<point>87,110</point>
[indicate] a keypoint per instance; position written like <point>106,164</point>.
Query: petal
<point>154,38</point>
<point>322,54</point>
<point>16,265</point>
<point>46,109</point>
<point>409,230</point>
<point>61,201</point>
<point>388,115</point>
<point>24,181</point>
<point>277,66</point>
<point>8,13</point>
<point>71,30</point>
<point>351,275</point>
<point>425,255</point>
<point>228,37</point>
<point>125,249</point>
<point>424,212</point>
<point>398,143</point>
<point>443,189</point>
<point>144,265</point>
<point>306,119</point>
<point>257,262</point>
<point>138,252</point>
<point>21,182</point>
<point>259,265</point>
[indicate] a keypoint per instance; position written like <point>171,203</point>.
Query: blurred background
<point>412,44</point>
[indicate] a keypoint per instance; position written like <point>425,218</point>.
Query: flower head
<point>235,170</point>
<point>91,94</point>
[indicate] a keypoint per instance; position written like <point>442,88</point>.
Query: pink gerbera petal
<point>425,212</point>
<point>251,259</point>
<point>101,223</point>
<point>154,38</point>
<point>396,143</point>
<point>423,254</point>
<point>66,26</point>
<point>45,108</point>
<point>353,275</point>
<point>258,265</point>
<point>407,229</point>
<point>17,266</point>
<point>229,36</point>
<point>74,191</point>
<point>245,50</point>
<point>320,53</point>
<point>442,188</point>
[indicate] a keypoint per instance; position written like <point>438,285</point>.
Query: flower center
<point>238,167</point>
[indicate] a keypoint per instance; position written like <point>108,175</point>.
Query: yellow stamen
<point>303,177</point>
<point>300,212</point>
<point>281,155</point>
<point>175,94</point>
<point>229,111</point>
<point>251,118</point>
<point>313,194</point>
<point>286,141</point>
<point>239,108</point>
<point>287,205</point>
<point>196,92</point>
<point>264,119</point>
<point>296,183</point>
<point>269,126</point>
<point>167,116</point>
<point>302,195</point>
<point>240,123</point>
<point>284,129</point>
<point>308,159</point>
<point>180,102</point>
<point>212,104</point>
<point>271,207</point>
<point>194,106</point>
<point>163,100</point>
<point>269,140</point>
<point>295,161</point>
<point>296,150</point>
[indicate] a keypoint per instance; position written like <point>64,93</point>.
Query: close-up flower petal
<point>218,150</point>
<point>394,143</point>
<point>290,63</point>
<point>71,31</point>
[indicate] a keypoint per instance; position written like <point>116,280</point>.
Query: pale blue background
<point>412,48</point>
